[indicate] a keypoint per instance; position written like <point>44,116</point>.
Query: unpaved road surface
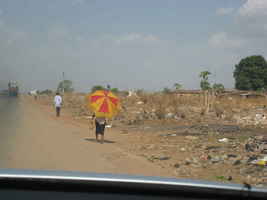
<point>31,137</point>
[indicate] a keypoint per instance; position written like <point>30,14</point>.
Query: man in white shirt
<point>58,103</point>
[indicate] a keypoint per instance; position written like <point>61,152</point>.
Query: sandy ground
<point>40,140</point>
<point>45,142</point>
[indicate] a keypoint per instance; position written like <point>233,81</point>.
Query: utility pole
<point>63,83</point>
<point>215,76</point>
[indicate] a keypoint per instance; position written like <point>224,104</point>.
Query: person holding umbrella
<point>100,124</point>
<point>105,105</point>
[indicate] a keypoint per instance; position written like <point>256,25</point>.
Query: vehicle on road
<point>28,184</point>
<point>13,89</point>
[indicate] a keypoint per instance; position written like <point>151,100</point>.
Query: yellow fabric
<point>95,106</point>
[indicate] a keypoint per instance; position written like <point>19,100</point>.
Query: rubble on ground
<point>189,141</point>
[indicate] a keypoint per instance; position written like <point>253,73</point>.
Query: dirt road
<point>41,141</point>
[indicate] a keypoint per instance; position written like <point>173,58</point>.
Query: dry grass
<point>182,106</point>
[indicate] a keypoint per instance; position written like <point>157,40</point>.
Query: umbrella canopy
<point>104,103</point>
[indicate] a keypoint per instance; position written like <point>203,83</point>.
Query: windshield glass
<point>147,87</point>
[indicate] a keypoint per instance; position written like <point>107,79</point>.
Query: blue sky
<point>147,44</point>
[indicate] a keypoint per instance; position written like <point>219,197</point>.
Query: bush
<point>97,87</point>
<point>166,90</point>
<point>218,87</point>
<point>115,90</point>
<point>47,91</point>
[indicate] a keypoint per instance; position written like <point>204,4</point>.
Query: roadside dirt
<point>45,142</point>
<point>172,148</point>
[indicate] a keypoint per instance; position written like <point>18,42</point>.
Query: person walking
<point>100,124</point>
<point>58,103</point>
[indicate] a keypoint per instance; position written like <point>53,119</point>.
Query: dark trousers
<point>100,128</point>
<point>58,111</point>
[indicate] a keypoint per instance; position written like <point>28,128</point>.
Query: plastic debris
<point>260,162</point>
<point>224,140</point>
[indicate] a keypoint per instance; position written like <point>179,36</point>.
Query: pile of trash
<point>252,116</point>
<point>257,119</point>
<point>257,145</point>
<point>136,109</point>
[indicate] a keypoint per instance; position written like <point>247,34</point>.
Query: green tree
<point>97,87</point>
<point>218,87</point>
<point>251,73</point>
<point>166,90</point>
<point>204,83</point>
<point>66,86</point>
<point>47,91</point>
<point>177,86</point>
<point>114,90</point>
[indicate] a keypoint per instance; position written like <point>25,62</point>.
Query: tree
<point>47,91</point>
<point>177,86</point>
<point>251,73</point>
<point>204,83</point>
<point>166,90</point>
<point>66,86</point>
<point>114,90</point>
<point>218,87</point>
<point>205,86</point>
<point>97,87</point>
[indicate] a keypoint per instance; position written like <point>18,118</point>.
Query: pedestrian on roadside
<point>58,103</point>
<point>100,124</point>
<point>35,96</point>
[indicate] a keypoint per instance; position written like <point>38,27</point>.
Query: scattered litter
<point>168,134</point>
<point>260,162</point>
<point>169,116</point>
<point>161,158</point>
<point>215,159</point>
<point>140,103</point>
<point>224,140</point>
<point>232,156</point>
<point>205,157</point>
<point>237,162</point>
<point>88,117</point>
<point>190,137</point>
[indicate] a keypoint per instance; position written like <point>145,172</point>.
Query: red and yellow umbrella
<point>104,103</point>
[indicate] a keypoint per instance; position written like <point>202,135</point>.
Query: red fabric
<point>104,106</point>
<point>95,98</point>
<point>114,100</point>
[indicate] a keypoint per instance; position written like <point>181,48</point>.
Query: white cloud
<point>223,40</point>
<point>251,20</point>
<point>133,38</point>
<point>254,8</point>
<point>249,30</point>
<point>224,11</point>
